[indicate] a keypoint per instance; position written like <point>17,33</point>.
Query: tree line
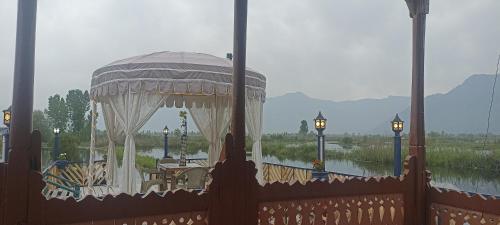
<point>71,114</point>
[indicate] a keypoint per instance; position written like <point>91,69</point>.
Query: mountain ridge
<point>463,109</point>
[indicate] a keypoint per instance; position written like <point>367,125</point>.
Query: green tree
<point>41,123</point>
<point>78,104</point>
<point>69,145</point>
<point>87,127</point>
<point>303,127</point>
<point>57,112</point>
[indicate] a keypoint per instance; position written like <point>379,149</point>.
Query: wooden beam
<point>239,57</point>
<point>24,70</point>
<point>22,110</point>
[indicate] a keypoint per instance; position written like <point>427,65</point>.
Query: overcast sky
<point>328,49</point>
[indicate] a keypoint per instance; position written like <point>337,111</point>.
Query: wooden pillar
<point>22,109</point>
<point>239,57</point>
<point>418,11</point>
<point>233,190</point>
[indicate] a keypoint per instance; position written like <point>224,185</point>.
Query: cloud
<point>334,50</point>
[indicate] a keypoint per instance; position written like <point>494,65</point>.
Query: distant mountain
<point>464,109</point>
<point>284,113</point>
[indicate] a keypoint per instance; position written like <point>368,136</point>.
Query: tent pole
<point>239,53</point>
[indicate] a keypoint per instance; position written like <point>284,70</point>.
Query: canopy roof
<point>177,73</point>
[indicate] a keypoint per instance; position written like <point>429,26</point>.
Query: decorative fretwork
<point>447,215</point>
<point>451,207</point>
<point>191,218</point>
<point>172,208</point>
<point>368,209</point>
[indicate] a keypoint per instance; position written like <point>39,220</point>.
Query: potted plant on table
<point>319,170</point>
<point>62,161</point>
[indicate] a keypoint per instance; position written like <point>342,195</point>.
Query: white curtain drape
<point>90,168</point>
<point>113,131</point>
<point>132,110</point>
<point>212,120</point>
<point>253,120</point>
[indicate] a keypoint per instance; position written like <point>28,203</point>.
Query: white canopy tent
<point>131,91</point>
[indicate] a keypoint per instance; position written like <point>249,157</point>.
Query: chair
<point>146,185</point>
<point>191,179</point>
<point>156,177</point>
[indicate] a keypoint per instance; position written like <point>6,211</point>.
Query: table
<point>174,169</point>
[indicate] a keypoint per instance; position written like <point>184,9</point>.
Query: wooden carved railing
<point>367,209</point>
<point>346,200</point>
<point>282,173</point>
<point>352,201</point>
<point>3,176</point>
<point>450,207</point>
<point>173,208</point>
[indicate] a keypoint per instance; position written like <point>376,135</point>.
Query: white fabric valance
<point>177,73</point>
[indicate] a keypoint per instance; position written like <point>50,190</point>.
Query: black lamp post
<point>165,142</point>
<point>7,117</point>
<point>320,125</point>
<point>57,141</point>
<point>397,127</point>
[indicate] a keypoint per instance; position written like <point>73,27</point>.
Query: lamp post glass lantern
<point>320,125</point>
<point>165,142</point>
<point>7,118</point>
<point>397,127</point>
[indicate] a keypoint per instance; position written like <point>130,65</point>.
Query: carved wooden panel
<point>3,176</point>
<point>191,218</point>
<point>368,209</point>
<point>447,215</point>
<point>179,207</point>
<point>452,207</point>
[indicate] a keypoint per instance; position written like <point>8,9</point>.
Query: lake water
<point>459,180</point>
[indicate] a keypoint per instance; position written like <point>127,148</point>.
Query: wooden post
<point>418,11</point>
<point>17,189</point>
<point>233,190</point>
<point>239,57</point>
